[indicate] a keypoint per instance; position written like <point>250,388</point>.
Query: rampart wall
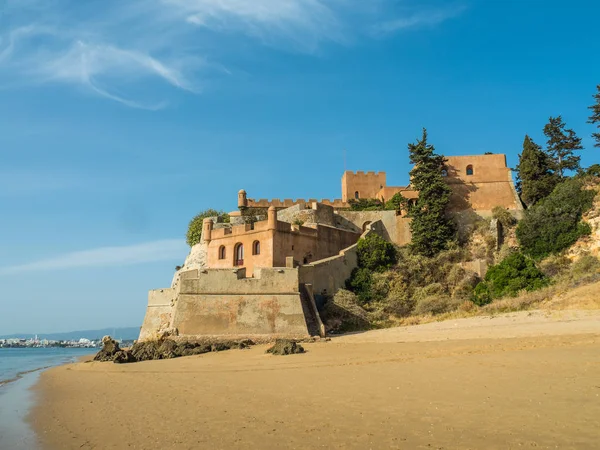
<point>223,303</point>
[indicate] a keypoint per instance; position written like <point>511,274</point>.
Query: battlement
<point>362,173</point>
<point>288,202</point>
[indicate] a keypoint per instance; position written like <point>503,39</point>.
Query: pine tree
<point>595,117</point>
<point>535,179</point>
<point>561,145</point>
<point>431,228</point>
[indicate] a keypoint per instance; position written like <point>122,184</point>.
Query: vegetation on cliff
<point>554,223</point>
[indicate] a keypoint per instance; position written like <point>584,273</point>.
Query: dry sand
<point>512,381</point>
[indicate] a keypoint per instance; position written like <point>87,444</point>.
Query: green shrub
<point>194,232</point>
<point>554,223</point>
<point>511,275</point>
<point>365,204</point>
<point>375,253</point>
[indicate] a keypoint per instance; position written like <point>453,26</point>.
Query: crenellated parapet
<point>288,202</point>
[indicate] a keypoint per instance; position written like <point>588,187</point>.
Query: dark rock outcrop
<point>110,348</point>
<point>162,349</point>
<point>285,347</point>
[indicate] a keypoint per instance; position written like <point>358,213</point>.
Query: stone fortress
<point>269,278</point>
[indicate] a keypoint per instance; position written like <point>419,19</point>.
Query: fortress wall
<point>222,302</point>
<point>240,315</point>
<point>483,197</point>
<point>330,274</point>
<point>158,313</point>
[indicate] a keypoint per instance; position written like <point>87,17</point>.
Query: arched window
<point>469,169</point>
<point>356,196</point>
<point>222,252</point>
<point>444,173</point>
<point>239,255</point>
<point>256,248</point>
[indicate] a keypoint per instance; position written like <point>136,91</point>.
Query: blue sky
<point>121,120</point>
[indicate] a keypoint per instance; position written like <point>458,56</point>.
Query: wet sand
<point>456,384</point>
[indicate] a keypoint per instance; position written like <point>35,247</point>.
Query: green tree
<point>194,232</point>
<point>396,203</point>
<point>562,142</point>
<point>595,117</point>
<point>430,226</point>
<point>535,179</point>
<point>554,223</point>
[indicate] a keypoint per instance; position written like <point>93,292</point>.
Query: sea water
<point>19,369</point>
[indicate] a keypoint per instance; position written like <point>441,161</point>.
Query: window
<point>444,173</point>
<point>356,196</point>
<point>256,248</point>
<point>222,252</point>
<point>239,255</point>
<point>469,169</point>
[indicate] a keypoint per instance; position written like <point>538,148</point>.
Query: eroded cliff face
<point>589,244</point>
<point>196,259</point>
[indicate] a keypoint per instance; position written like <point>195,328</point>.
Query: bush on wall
<point>194,232</point>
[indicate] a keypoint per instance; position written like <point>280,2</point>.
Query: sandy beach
<point>511,381</point>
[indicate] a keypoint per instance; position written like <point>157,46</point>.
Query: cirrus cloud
<point>114,47</point>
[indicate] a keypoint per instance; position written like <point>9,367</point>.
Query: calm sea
<point>19,369</point>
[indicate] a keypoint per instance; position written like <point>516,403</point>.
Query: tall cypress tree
<point>561,145</point>
<point>535,179</point>
<point>595,117</point>
<point>431,228</point>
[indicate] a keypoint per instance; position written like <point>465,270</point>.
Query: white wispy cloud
<point>162,250</point>
<point>114,47</point>
<point>418,19</point>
